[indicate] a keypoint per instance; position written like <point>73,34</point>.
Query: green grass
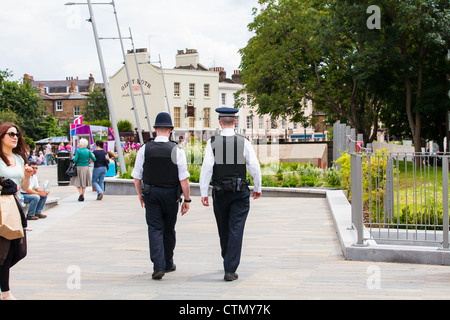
<point>417,196</point>
<point>292,175</point>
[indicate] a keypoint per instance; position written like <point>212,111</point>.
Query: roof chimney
<point>91,82</point>
<point>41,88</point>
<point>72,89</point>
<point>190,57</point>
<point>222,74</point>
<point>237,77</point>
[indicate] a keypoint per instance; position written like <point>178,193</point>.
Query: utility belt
<point>147,187</point>
<point>230,185</point>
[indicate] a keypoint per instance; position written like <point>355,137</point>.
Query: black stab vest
<point>229,161</point>
<point>160,166</point>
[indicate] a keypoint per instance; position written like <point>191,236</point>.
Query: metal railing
<point>400,198</point>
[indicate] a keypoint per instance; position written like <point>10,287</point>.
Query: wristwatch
<point>188,201</point>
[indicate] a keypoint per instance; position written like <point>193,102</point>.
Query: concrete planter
<point>116,186</point>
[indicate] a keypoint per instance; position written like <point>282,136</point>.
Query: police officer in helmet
<point>160,174</point>
<point>227,158</point>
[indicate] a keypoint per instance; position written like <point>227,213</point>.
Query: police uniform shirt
<point>208,164</point>
<point>140,159</point>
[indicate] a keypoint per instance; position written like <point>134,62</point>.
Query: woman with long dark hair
<point>13,166</point>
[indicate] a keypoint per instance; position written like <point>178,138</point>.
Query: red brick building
<point>64,99</point>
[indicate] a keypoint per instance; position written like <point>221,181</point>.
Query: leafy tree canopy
<point>326,52</point>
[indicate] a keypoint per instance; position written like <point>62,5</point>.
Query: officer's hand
<point>205,201</point>
<point>141,200</point>
<point>184,208</point>
<point>256,195</point>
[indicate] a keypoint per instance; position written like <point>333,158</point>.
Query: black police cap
<point>227,112</point>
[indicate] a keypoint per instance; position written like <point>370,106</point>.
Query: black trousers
<point>4,269</point>
<point>231,211</point>
<point>161,208</point>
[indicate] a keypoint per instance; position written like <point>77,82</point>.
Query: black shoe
<point>81,198</point>
<point>172,269</point>
<point>230,276</point>
<point>157,275</point>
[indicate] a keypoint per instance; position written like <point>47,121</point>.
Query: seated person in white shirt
<point>35,196</point>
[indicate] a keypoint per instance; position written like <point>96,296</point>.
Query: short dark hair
<point>227,120</point>
<point>33,163</point>
<point>99,143</point>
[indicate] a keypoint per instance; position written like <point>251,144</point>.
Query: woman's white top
<point>15,173</point>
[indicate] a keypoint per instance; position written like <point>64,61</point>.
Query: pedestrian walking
<point>49,153</point>
<point>83,178</point>
<point>227,158</point>
<point>101,165</point>
<point>16,173</point>
<point>160,175</point>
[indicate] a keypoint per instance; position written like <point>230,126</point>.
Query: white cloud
<point>51,41</point>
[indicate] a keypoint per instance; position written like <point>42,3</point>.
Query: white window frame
<point>176,89</point>
<point>224,98</point>
<point>191,89</point>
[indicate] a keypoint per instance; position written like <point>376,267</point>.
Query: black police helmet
<point>163,119</point>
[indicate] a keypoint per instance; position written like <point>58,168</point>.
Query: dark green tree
<point>51,128</point>
<point>97,106</point>
<point>419,32</point>
<point>299,53</point>
<point>22,100</point>
<point>327,52</point>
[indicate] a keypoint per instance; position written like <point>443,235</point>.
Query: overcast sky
<point>51,41</point>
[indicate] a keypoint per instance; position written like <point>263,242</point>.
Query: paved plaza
<point>99,250</point>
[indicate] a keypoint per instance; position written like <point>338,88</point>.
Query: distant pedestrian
<point>112,168</point>
<point>101,165</point>
<point>61,146</point>
<point>83,178</point>
<point>40,159</point>
<point>49,153</point>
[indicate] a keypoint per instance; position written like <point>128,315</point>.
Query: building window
<point>59,106</point>
<point>224,98</point>
<point>206,89</point>
<point>177,117</point>
<point>249,122</point>
<point>273,124</point>
<point>261,122</point>
<point>192,121</point>
<point>283,123</point>
<point>76,110</point>
<point>206,118</point>
<point>192,89</point>
<point>295,125</point>
<point>176,89</point>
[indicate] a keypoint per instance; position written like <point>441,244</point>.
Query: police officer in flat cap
<point>160,174</point>
<point>227,158</point>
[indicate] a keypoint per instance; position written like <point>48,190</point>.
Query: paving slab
<point>98,250</point>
